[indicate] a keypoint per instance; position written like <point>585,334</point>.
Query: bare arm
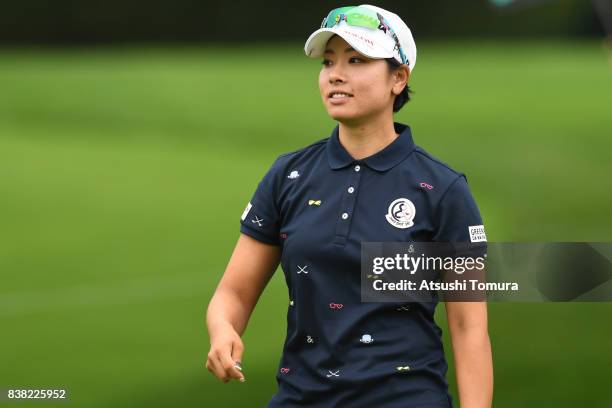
<point>467,322</point>
<point>248,271</point>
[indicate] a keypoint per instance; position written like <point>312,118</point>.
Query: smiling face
<point>368,82</point>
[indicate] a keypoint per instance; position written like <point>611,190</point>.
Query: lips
<point>342,93</point>
<point>338,98</point>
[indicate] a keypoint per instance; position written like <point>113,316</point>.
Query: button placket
<point>346,213</point>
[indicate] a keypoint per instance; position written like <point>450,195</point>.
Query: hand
<point>225,355</point>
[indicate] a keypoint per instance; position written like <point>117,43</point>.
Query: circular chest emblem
<point>401,213</point>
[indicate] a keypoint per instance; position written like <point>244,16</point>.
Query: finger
<point>214,366</point>
<point>223,376</point>
<point>229,366</point>
<point>237,351</point>
<point>209,366</point>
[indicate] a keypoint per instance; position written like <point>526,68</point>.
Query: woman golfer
<point>366,182</point>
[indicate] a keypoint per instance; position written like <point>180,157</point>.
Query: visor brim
<point>316,43</point>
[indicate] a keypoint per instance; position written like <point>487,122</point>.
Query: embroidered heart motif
<point>284,370</point>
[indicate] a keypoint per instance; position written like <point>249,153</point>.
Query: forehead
<point>337,41</point>
<point>338,46</point>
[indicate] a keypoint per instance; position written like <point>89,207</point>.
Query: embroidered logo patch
<point>401,212</point>
<point>477,233</point>
<point>246,211</point>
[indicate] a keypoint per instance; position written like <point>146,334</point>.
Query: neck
<point>364,140</point>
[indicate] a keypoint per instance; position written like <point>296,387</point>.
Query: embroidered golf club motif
<point>366,338</point>
<point>403,309</point>
<point>257,221</point>
<point>284,370</point>
<point>302,269</point>
<point>293,175</point>
<point>336,305</point>
<point>309,339</point>
<point>333,373</point>
<point>314,202</point>
<point>400,213</point>
<point>402,368</point>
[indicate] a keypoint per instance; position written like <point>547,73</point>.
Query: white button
<point>344,216</point>
<point>357,168</point>
<point>351,189</point>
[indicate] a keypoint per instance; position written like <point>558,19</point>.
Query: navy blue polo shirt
<point>318,204</point>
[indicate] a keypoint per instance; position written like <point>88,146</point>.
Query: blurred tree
<point>72,21</point>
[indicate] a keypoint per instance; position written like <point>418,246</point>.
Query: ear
<point>402,75</point>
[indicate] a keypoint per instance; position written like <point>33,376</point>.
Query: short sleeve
<point>458,217</point>
<point>260,219</point>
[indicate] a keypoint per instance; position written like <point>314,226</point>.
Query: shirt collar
<point>383,160</point>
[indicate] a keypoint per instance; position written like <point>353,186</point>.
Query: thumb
<point>237,351</point>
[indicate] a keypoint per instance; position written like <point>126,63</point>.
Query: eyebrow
<point>330,51</point>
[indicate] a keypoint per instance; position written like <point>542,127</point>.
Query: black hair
<point>404,96</point>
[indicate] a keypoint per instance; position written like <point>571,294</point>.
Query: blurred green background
<point>132,135</point>
<point>124,172</point>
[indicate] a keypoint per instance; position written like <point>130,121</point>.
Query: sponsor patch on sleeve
<point>246,211</point>
<point>477,233</point>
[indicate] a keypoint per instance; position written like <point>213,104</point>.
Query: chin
<point>340,116</point>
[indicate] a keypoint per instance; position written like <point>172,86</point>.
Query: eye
<point>326,62</point>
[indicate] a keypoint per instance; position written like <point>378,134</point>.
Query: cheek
<point>372,92</point>
<point>322,79</point>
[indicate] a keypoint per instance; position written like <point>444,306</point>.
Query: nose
<point>336,75</point>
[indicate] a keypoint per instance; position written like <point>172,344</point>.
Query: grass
<point>124,172</point>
